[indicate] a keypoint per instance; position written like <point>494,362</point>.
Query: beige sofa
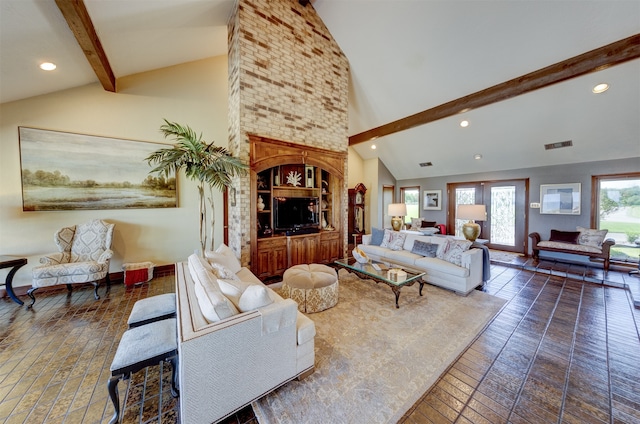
<point>227,364</point>
<point>461,278</point>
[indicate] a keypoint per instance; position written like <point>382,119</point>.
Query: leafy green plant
<point>209,165</point>
<point>632,236</point>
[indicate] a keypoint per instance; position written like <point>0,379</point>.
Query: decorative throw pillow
<point>454,249</point>
<point>570,237</point>
<point>222,271</point>
<point>591,237</point>
<point>225,256</point>
<point>376,236</point>
<point>233,289</point>
<point>416,223</point>
<point>424,248</point>
<point>254,297</point>
<point>213,304</point>
<point>200,269</point>
<point>428,224</point>
<point>393,240</point>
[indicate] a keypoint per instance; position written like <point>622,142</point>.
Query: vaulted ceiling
<point>405,56</point>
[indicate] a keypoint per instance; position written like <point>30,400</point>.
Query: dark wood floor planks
<point>561,351</point>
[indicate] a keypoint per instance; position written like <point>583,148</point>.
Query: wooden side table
<point>15,263</point>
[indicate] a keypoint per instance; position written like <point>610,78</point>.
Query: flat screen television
<point>295,213</point>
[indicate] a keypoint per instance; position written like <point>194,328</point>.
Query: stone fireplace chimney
<point>288,80</point>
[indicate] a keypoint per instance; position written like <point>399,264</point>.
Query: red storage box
<point>136,273</point>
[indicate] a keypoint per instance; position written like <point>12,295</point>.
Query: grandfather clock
<point>356,213</point>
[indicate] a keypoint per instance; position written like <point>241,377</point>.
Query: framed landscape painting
<point>67,171</point>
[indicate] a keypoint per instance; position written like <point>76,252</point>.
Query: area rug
<point>373,361</point>
<point>505,257</point>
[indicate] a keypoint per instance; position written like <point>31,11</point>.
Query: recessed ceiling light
<point>47,66</point>
<point>374,147</point>
<point>600,88</point>
<point>477,156</point>
<point>464,124</point>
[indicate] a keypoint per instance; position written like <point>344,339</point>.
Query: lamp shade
<point>472,212</point>
<point>397,209</point>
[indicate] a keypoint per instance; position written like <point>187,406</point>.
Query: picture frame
<point>560,199</point>
<point>69,171</point>
<point>432,200</point>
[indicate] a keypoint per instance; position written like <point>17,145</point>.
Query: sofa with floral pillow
<point>588,242</point>
<point>447,262</point>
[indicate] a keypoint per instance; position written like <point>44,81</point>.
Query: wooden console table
<point>15,263</point>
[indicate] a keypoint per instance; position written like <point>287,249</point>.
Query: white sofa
<point>225,365</point>
<point>439,272</point>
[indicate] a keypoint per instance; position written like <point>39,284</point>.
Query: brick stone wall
<point>288,80</point>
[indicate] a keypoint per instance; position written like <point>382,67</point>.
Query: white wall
<point>193,94</point>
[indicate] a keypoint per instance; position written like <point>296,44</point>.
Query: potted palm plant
<point>209,165</point>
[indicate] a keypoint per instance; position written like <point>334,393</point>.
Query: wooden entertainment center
<point>309,176</point>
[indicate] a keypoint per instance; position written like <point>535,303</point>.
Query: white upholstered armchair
<point>83,257</point>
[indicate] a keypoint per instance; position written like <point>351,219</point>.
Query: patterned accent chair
<point>83,257</point>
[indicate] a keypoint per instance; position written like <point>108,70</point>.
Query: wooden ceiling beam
<point>592,61</point>
<point>78,19</point>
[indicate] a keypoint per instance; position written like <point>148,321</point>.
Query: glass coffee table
<point>395,276</point>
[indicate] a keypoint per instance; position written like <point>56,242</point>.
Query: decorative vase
<point>324,221</point>
<point>260,203</point>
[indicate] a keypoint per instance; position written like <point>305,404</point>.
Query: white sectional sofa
<point>228,363</point>
<point>461,278</point>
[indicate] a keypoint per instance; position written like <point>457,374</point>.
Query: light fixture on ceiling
<point>47,66</point>
<point>600,88</point>
<point>464,124</point>
<point>477,156</point>
<point>374,147</point>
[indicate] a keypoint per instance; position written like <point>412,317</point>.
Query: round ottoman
<point>313,286</point>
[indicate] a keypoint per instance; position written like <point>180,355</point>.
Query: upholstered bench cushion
<point>310,276</point>
<point>582,248</point>
<point>145,342</point>
<point>314,287</point>
<point>152,308</point>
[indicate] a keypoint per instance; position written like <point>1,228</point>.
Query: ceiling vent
<point>423,164</point>
<point>558,145</point>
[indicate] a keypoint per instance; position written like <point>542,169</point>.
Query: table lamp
<point>397,210</point>
<point>471,230</point>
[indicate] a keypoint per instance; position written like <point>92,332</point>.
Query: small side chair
<point>83,257</point>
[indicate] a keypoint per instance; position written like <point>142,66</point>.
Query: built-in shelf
<point>319,174</point>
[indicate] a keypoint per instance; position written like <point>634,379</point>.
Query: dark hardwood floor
<point>562,350</point>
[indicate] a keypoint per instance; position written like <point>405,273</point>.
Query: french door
<point>505,201</point>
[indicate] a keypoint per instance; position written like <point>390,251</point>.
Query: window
<point>411,197</point>
<point>616,208</point>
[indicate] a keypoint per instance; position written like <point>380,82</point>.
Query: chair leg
<point>30,293</point>
<point>69,288</point>
<point>95,290</point>
<point>174,377</point>
<point>112,386</point>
